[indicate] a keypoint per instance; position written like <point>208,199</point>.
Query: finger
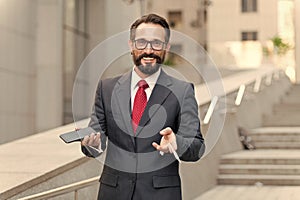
<point>155,145</point>
<point>97,137</point>
<point>85,140</point>
<point>166,131</point>
<point>170,148</point>
<point>91,139</point>
<point>174,144</point>
<point>97,140</point>
<point>92,135</point>
<point>163,148</point>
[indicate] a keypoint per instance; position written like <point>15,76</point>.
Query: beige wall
<point>297,47</point>
<point>17,68</point>
<point>48,54</point>
<point>30,67</point>
<point>43,44</point>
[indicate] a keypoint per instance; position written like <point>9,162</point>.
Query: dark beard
<point>148,68</point>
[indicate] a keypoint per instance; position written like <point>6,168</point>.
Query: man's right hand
<point>92,140</point>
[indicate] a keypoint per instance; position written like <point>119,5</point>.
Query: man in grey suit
<point>143,119</point>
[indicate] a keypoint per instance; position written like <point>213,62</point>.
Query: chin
<point>149,69</point>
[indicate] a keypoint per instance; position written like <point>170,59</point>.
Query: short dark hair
<point>153,19</point>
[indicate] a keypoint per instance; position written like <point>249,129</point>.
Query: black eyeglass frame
<point>151,45</point>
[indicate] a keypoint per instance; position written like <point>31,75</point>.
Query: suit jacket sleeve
<point>97,121</point>
<point>189,139</point>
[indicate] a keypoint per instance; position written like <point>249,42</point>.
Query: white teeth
<point>146,58</point>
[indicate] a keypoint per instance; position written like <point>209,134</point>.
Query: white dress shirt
<point>151,80</point>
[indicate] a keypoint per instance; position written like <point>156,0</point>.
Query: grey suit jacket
<point>133,168</point>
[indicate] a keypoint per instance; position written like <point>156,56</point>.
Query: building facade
<point>44,42</point>
<point>238,29</point>
<point>241,33</point>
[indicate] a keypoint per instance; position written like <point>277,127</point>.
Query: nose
<point>148,49</point>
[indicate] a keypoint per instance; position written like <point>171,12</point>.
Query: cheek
<point>136,53</point>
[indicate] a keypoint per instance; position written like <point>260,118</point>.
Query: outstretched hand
<point>168,139</point>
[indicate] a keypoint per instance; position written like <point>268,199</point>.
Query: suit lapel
<point>122,91</point>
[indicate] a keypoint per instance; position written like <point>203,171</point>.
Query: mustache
<point>151,55</point>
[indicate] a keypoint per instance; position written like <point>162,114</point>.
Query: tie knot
<point>143,84</point>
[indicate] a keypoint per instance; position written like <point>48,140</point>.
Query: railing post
<point>240,95</point>
<point>210,109</point>
<point>269,79</point>
<point>257,84</point>
<point>75,194</point>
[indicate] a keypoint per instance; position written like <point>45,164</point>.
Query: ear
<point>168,46</point>
<point>130,44</point>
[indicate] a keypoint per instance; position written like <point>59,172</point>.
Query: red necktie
<point>140,101</point>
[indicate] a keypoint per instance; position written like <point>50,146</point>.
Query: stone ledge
<point>32,160</point>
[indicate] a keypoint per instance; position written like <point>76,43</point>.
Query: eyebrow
<point>153,39</point>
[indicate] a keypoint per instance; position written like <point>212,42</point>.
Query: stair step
<point>275,131</point>
<point>289,107</point>
<point>295,88</point>
<point>260,157</point>
<point>260,169</point>
<point>276,145</point>
<point>251,192</point>
<point>282,108</point>
<point>291,101</point>
<point>259,179</point>
<point>280,161</point>
<point>286,119</point>
<point>275,138</point>
<point>293,92</point>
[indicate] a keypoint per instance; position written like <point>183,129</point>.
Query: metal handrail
<point>74,187</point>
<point>241,92</point>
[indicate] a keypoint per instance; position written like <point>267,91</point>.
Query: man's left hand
<point>168,139</point>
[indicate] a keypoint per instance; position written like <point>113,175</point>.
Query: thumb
<point>166,131</point>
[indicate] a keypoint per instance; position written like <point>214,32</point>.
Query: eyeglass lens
<point>155,44</point>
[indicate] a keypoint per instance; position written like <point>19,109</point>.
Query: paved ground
<point>252,193</point>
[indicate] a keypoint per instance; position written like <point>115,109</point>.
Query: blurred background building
<point>43,43</point>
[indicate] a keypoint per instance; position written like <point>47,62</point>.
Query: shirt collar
<point>151,80</point>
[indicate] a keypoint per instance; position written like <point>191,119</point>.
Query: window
<point>249,5</point>
<point>249,35</point>
<point>175,19</point>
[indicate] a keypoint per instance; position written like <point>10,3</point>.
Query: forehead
<point>150,31</point>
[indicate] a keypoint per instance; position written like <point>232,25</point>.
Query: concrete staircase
<point>260,167</point>
<point>287,113</point>
<point>276,160</point>
<point>276,137</point>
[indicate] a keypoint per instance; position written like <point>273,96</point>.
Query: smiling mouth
<point>148,59</point>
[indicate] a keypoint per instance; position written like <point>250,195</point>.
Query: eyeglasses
<point>141,44</point>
